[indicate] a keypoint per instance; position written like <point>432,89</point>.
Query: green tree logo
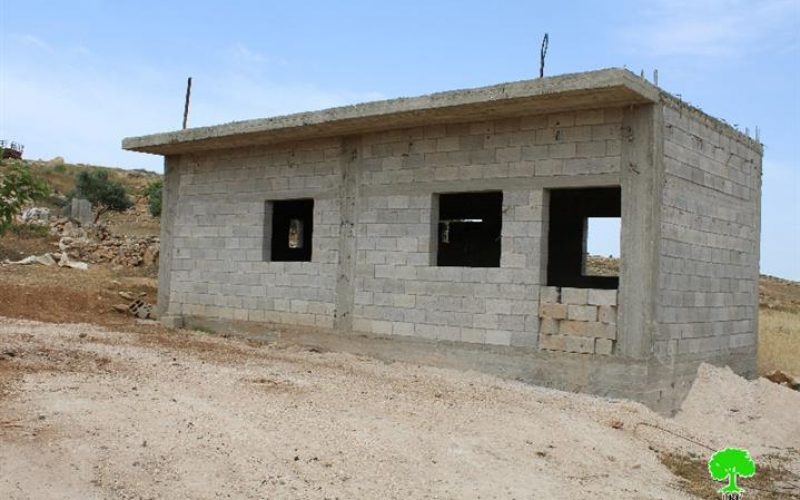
<point>728,464</point>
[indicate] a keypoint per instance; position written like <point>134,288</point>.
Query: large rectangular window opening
<point>582,222</point>
<point>469,229</point>
<point>289,227</point>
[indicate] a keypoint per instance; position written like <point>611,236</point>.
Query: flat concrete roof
<point>593,89</point>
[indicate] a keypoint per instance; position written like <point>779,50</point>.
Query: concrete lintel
<point>594,89</point>
<point>526,183</point>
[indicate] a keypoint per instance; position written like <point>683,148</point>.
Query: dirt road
<point>91,413</point>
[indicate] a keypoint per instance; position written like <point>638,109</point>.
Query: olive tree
<point>103,193</point>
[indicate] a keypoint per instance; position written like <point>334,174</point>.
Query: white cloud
<point>715,28</point>
<point>29,40</point>
<point>242,53</point>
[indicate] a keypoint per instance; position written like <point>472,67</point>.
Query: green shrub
<point>154,191</point>
<point>18,186</point>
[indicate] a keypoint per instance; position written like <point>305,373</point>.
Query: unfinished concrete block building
<point>451,229</point>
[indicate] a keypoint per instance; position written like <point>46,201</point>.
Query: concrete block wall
<point>562,144</point>
<point>578,320</point>
<point>707,297</point>
<point>399,290</point>
<point>217,266</point>
<point>217,259</point>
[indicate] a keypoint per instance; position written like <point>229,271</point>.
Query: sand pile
<point>727,410</point>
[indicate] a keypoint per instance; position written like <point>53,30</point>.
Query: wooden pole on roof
<point>186,106</point>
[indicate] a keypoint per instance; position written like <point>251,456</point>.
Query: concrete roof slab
<point>594,89</point>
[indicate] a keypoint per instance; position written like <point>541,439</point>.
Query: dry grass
<point>15,245</point>
<point>779,341</point>
<point>779,294</point>
<point>597,265</point>
<point>62,177</point>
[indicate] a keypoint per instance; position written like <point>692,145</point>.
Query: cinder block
<point>575,328</point>
<point>401,328</point>
<point>553,342</point>
<point>554,311</point>
<point>425,331</point>
<point>498,306</point>
<point>582,313</point>
<point>450,333</point>
<point>509,154</point>
<point>602,297</point>
<point>583,345</point>
<point>548,326</point>
<point>549,294</point>
<point>484,321</point>
<point>498,337</point>
<point>473,335</point>
<point>447,144</point>
<point>601,330</point>
<point>591,149</point>
<point>607,314</point>
<point>577,296</point>
<point>511,322</point>
<point>404,301</point>
<point>603,346</point>
<point>513,260</point>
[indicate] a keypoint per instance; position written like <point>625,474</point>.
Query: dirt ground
<point>87,412</point>
<point>70,295</point>
<point>118,408</point>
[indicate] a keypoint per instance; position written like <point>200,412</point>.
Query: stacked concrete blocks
<point>578,320</point>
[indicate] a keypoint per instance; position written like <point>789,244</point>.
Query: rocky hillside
<point>60,175</point>
<point>775,293</point>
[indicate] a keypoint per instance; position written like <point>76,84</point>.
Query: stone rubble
<point>49,259</point>
<point>36,215</point>
<point>97,245</point>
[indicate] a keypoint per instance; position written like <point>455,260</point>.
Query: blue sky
<point>76,77</point>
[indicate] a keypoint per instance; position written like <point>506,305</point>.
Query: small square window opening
<point>469,229</point>
<point>289,226</point>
